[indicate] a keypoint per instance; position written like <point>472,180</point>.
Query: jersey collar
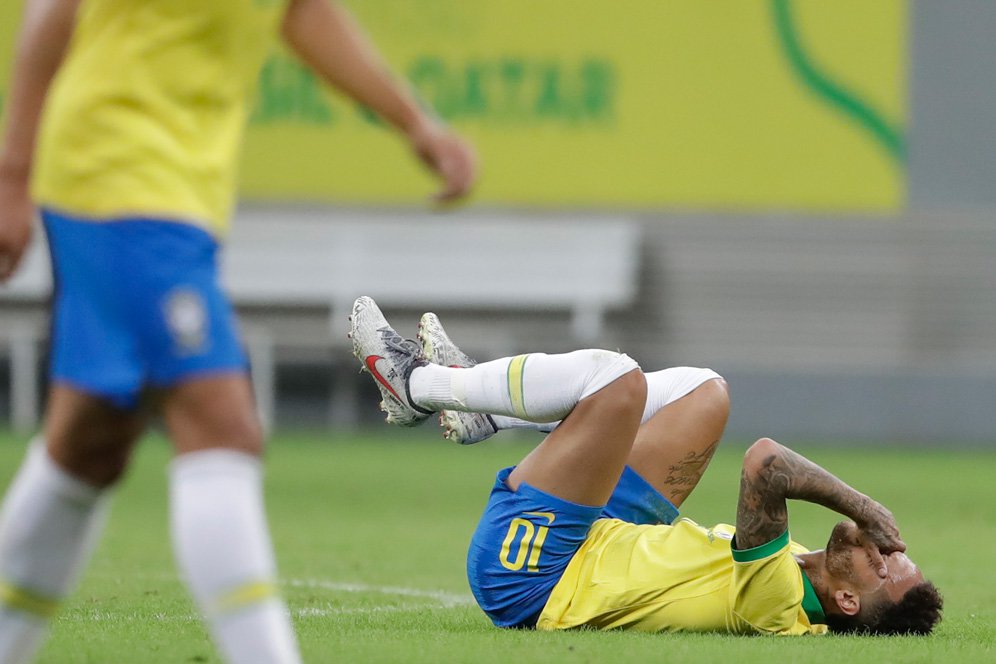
<point>810,602</point>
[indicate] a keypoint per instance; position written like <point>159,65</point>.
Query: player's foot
<point>389,358</point>
<point>438,348</point>
<point>467,428</point>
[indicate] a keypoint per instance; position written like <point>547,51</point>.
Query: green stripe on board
<point>888,136</point>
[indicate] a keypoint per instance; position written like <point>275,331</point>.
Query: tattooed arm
<point>773,473</point>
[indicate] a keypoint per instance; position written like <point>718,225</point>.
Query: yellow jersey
<point>146,114</point>
<point>682,577</point>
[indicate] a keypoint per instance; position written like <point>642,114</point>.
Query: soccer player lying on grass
<point>583,531</point>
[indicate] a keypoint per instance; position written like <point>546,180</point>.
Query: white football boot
<point>389,358</point>
<point>438,348</point>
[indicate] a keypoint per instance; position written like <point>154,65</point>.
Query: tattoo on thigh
<point>684,475</point>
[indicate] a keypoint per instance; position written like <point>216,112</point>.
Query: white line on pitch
<point>309,612</point>
<point>320,612</point>
<point>446,599</point>
<point>442,598</point>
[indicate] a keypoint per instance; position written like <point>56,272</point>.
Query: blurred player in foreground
<point>584,531</point>
<point>132,164</point>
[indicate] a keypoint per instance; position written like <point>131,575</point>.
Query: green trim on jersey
<point>811,602</point>
<point>759,552</point>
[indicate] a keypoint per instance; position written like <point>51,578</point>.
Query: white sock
<point>223,549</point>
<point>503,423</point>
<point>663,387</point>
<point>536,387</point>
<point>49,525</point>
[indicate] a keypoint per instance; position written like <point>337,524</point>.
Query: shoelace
<point>396,342</point>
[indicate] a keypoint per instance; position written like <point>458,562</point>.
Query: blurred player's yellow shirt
<point>682,578</point>
<point>147,113</point>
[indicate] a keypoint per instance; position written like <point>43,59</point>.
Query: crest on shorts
<point>186,317</point>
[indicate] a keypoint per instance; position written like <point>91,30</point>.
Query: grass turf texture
<point>371,534</point>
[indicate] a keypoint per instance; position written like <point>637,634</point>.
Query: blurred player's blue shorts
<point>137,303</point>
<point>526,538</point>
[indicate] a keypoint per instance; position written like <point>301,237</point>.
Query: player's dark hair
<point>916,613</point>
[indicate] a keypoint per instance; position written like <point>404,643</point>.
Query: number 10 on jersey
<point>530,538</point>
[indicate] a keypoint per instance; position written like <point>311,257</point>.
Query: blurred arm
<point>773,473</point>
<point>327,39</point>
<point>44,35</point>
<point>45,31</point>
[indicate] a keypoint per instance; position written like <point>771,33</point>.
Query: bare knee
<point>630,393</point>
<point>235,429</point>
<point>716,399</point>
<point>710,408</point>
<point>88,438</point>
<point>617,384</point>
<point>212,413</point>
<point>99,461</point>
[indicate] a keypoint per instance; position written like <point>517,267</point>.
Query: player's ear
<point>848,602</point>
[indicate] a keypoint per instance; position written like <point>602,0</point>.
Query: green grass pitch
<point>371,533</point>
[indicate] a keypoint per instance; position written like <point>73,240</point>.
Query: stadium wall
<point>840,326</point>
<point>865,313</point>
<point>828,328</point>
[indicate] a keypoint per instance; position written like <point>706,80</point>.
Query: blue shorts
<point>526,538</point>
<point>137,303</point>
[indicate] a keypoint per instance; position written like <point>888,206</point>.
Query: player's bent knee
<point>608,366</point>
<point>635,384</point>
<point>717,393</point>
<point>625,396</point>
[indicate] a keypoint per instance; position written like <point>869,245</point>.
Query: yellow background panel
<point>586,103</point>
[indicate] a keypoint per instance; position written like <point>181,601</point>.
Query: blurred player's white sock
<point>536,387</point>
<point>223,548</point>
<point>49,524</point>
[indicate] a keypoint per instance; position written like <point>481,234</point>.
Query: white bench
<point>477,261</point>
<point>287,257</point>
<point>403,260</point>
